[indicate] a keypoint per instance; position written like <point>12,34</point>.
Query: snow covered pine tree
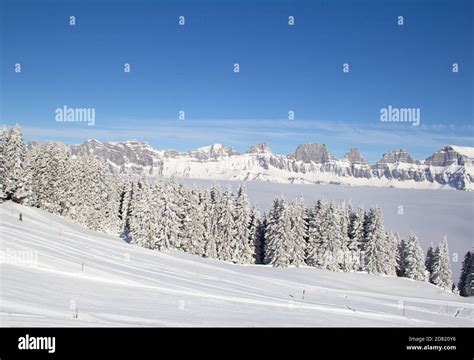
<point>442,275</point>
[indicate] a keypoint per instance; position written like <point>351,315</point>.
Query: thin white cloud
<point>238,133</point>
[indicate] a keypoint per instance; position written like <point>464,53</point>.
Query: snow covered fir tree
<point>441,268</point>
<point>163,214</point>
<point>413,260</point>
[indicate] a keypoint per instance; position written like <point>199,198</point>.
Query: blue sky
<point>282,68</point>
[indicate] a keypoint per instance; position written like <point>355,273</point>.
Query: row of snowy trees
<point>339,238</point>
<point>435,267</point>
<point>164,214</point>
<point>47,176</point>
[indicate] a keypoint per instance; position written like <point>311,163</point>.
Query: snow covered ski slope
<point>57,273</point>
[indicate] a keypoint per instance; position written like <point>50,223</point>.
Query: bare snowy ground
<point>123,285</point>
<point>430,214</point>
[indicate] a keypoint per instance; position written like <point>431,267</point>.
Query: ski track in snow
<point>125,285</point>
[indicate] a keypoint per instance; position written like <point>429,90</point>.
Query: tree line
<point>163,214</point>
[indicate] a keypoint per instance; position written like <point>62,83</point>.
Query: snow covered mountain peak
<point>214,151</point>
<point>355,157</point>
<point>397,156</point>
<point>261,148</point>
<point>316,153</point>
<point>93,141</point>
<point>132,143</point>
<point>452,155</point>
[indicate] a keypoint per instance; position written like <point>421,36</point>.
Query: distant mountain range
<point>450,167</point>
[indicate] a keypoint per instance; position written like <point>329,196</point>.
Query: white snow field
<point>124,285</point>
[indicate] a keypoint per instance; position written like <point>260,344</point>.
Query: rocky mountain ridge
<point>450,167</point>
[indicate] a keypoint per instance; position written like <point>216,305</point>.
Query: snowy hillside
<point>42,284</point>
<point>449,168</point>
